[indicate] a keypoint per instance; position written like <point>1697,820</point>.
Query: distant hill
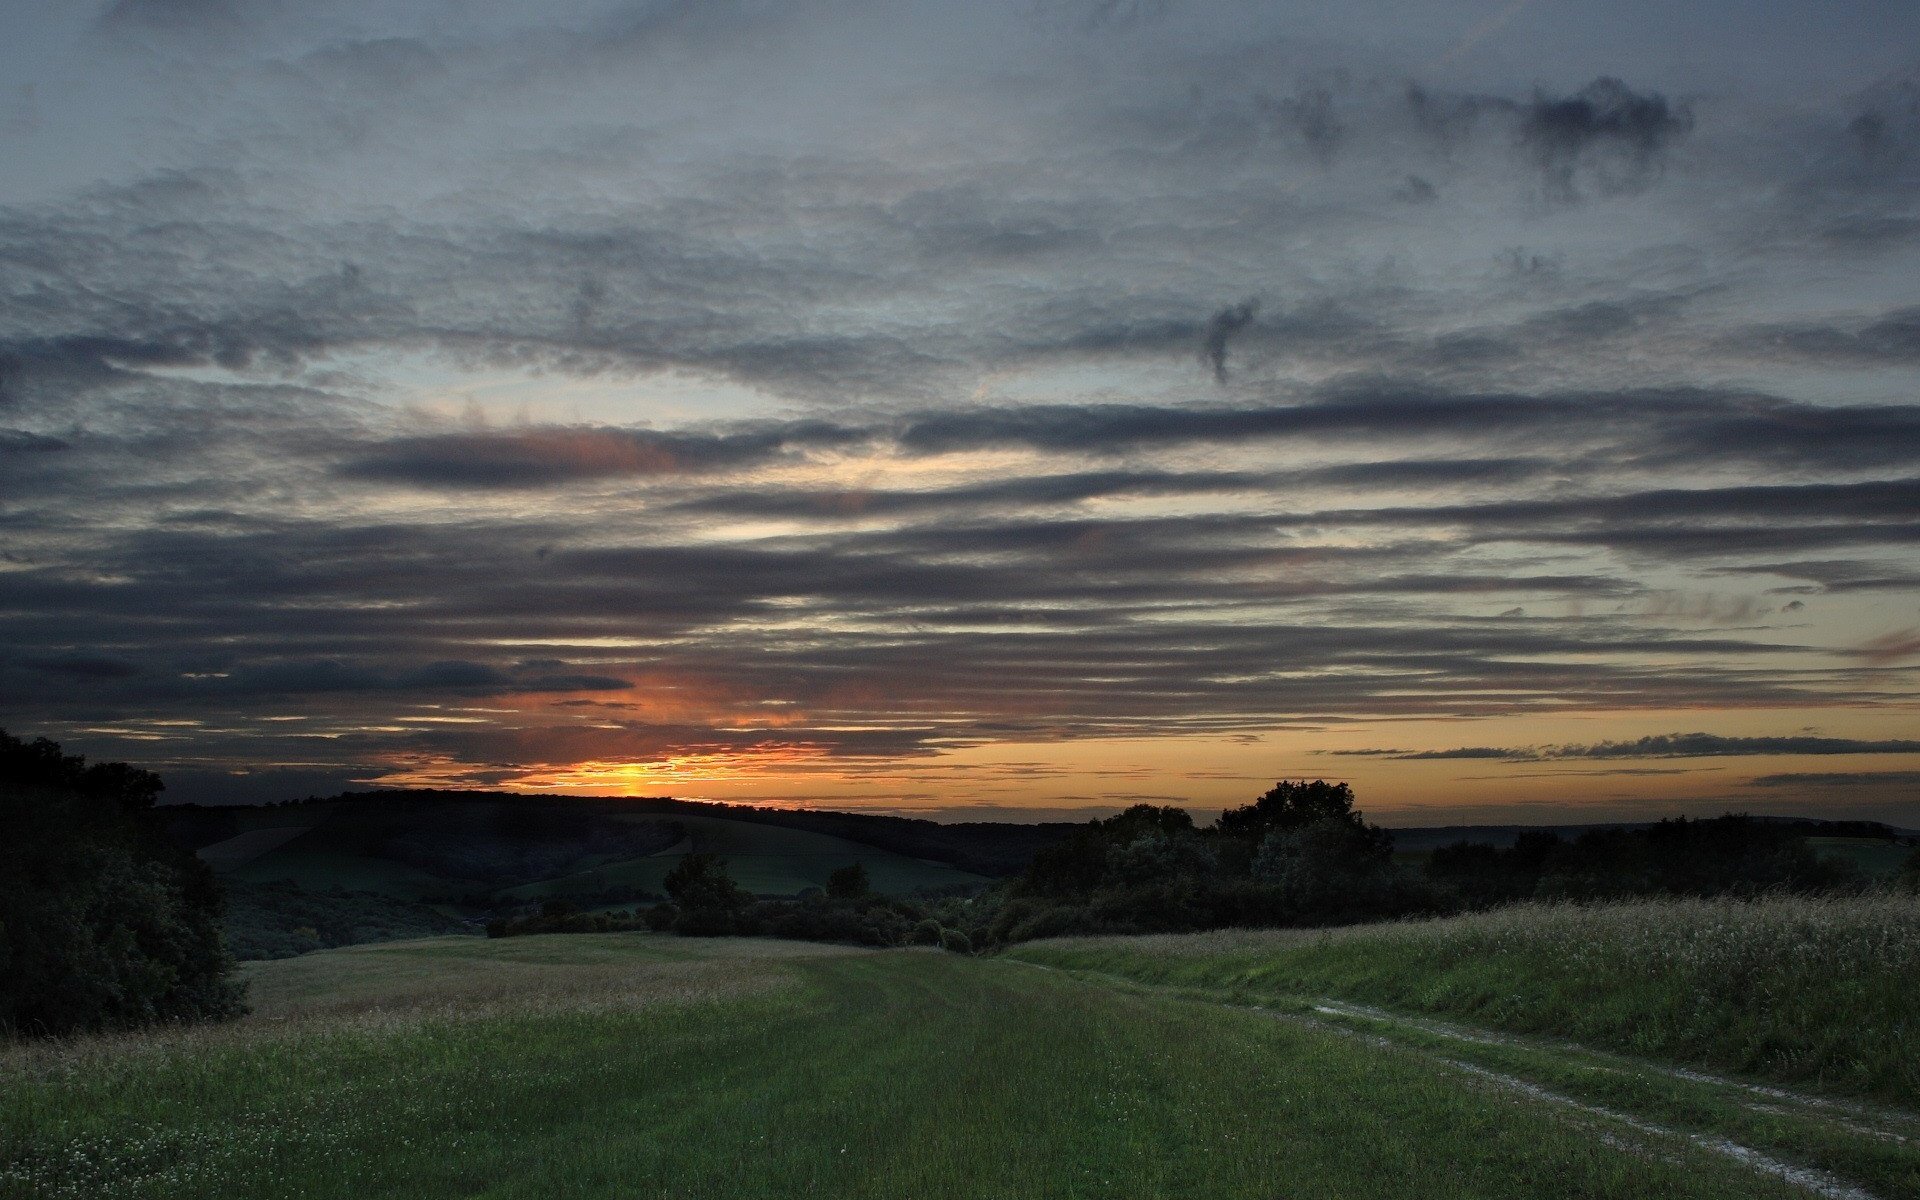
<point>389,840</point>
<point>364,866</point>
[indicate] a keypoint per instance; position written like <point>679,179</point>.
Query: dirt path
<point>1890,1137</point>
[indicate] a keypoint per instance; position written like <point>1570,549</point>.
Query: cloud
<point>1891,647</point>
<point>1663,745</point>
<point>1220,330</point>
<point>86,666</point>
<point>1656,427</point>
<point>19,441</point>
<point>1606,135</point>
<point>1837,779</point>
<point>442,677</point>
<point>831,394</point>
<point>1310,115</point>
<point>540,457</point>
<point>1892,339</point>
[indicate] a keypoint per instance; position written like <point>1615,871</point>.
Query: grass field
<point>1819,992</point>
<point>639,1066</point>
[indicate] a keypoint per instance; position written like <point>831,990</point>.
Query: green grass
<point>638,1066</point>
<point>1874,1148</point>
<point>1821,993</point>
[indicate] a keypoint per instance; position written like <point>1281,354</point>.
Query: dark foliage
<point>105,921</point>
<point>281,919</point>
<point>848,882</point>
<point>1730,855</point>
<point>1299,855</point>
<point>711,904</point>
<point>1289,804</point>
<point>1086,860</point>
<point>1302,855</point>
<point>1481,875</point>
<point>707,903</point>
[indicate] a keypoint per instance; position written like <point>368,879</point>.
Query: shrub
<point>661,917</point>
<point>956,942</point>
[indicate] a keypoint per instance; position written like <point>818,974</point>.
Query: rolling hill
<point>368,866</point>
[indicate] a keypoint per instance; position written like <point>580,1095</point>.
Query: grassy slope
<point>1813,992</point>
<point>765,859</point>
<point>628,1065</point>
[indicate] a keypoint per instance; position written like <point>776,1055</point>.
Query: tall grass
<point>1815,991</point>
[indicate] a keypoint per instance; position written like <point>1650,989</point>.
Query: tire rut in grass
<point>1340,1017</point>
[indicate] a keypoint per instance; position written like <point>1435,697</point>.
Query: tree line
<point>1300,854</point>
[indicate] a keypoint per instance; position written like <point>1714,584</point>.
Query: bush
<point>848,882</point>
<point>956,942</point>
<point>105,922</point>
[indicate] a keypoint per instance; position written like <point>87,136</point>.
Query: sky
<point>1009,409</point>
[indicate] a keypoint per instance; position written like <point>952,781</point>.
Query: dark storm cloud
<point>1220,330</point>
<point>1606,134</point>
<point>1663,745</point>
<point>1607,138</point>
<point>85,666</point>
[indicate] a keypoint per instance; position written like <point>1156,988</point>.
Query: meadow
<point>1810,991</point>
<point>630,1065</point>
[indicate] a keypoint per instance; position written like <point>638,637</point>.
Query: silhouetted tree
<point>1289,804</point>
<point>848,882</point>
<point>105,921</point>
<point>711,903</point>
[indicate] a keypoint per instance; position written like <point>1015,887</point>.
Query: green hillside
<point>369,867</point>
<point>765,859</point>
